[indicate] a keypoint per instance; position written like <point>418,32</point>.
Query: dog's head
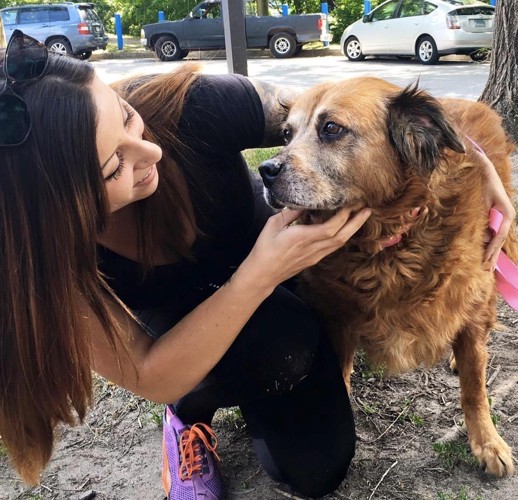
<point>355,143</point>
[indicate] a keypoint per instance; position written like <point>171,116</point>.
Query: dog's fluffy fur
<point>366,142</point>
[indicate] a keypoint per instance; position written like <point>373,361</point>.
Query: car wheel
<point>283,45</point>
<point>84,54</point>
<point>60,46</point>
<point>480,55</point>
<point>353,49</point>
<point>426,51</point>
<point>168,49</point>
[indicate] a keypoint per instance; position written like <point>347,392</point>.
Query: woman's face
<point>128,162</point>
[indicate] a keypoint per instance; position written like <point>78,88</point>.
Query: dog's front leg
<point>491,451</point>
<point>345,346</point>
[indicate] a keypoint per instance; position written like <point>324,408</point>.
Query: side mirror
<point>366,18</point>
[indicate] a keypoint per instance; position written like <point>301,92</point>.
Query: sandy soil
<point>411,440</point>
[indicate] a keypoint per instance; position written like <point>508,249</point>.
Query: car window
<point>475,11</point>
<point>32,16</point>
<point>57,14</point>
<point>9,16</point>
<point>463,2</point>
<point>429,8</point>
<point>88,14</point>
<point>410,8</point>
<point>385,11</point>
<point>213,12</point>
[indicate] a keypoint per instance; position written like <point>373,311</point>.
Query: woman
<point>180,252</point>
<point>74,167</point>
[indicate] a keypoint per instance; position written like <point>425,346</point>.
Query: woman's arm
<point>496,197</point>
<point>168,368</point>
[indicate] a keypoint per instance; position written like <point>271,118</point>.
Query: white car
<point>426,29</point>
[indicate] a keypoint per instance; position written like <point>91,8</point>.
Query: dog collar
<point>396,238</point>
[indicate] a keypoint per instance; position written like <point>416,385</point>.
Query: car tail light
<point>83,29</point>
<point>452,22</point>
<point>319,24</point>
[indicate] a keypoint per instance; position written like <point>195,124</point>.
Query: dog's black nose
<point>269,170</point>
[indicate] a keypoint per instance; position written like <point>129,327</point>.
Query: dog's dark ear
<point>419,129</point>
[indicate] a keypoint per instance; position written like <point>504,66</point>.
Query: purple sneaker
<point>189,469</point>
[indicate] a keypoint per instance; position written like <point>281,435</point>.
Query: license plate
<point>479,23</point>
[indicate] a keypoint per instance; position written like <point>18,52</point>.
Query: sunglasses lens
<point>26,58</point>
<point>15,122</point>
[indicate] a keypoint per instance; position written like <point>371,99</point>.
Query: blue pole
<point>161,15</point>
<point>492,2</point>
<point>118,31</point>
<point>325,10</point>
<point>367,6</point>
<point>285,10</point>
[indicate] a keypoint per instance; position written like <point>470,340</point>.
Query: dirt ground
<point>411,440</point>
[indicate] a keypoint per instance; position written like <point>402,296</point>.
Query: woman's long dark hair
<point>52,206</point>
<point>166,218</point>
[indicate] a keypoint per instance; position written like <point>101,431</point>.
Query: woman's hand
<point>496,197</point>
<point>283,250</point>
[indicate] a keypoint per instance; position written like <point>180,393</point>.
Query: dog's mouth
<point>279,203</point>
<point>312,214</point>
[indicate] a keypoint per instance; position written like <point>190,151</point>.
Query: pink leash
<point>506,272</point>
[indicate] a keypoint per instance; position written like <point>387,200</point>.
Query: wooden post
<point>235,36</point>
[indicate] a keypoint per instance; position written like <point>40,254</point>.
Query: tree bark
<point>501,90</point>
<point>262,7</point>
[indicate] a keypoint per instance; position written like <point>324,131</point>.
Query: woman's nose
<point>148,154</point>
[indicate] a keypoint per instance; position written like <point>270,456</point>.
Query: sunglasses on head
<point>25,59</point>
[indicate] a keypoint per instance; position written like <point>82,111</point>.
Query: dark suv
<point>67,28</point>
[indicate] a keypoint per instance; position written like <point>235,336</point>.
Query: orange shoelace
<point>191,458</point>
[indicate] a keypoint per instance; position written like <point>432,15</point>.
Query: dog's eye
<point>287,134</point>
<point>331,129</point>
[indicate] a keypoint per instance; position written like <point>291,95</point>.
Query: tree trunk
<point>501,91</point>
<point>262,7</point>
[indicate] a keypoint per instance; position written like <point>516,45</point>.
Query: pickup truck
<point>203,29</point>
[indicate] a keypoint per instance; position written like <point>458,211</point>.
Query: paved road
<point>452,77</point>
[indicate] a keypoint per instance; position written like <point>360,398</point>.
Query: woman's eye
<point>332,128</point>
<point>118,171</point>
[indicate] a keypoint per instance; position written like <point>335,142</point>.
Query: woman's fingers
<point>497,241</point>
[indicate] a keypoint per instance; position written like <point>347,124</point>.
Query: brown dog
<point>412,283</point>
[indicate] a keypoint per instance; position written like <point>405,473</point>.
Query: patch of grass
<point>494,417</point>
<point>414,418</point>
<point>452,453</point>
<point>154,412</point>
<point>371,409</point>
<point>463,494</point>
<point>367,371</point>
<point>232,417</point>
<point>254,157</point>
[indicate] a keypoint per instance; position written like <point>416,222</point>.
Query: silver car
<point>67,28</point>
<point>426,29</point>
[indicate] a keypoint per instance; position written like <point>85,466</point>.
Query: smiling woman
<point>163,271</point>
<point>125,157</point>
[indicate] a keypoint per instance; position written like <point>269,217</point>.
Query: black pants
<point>284,375</point>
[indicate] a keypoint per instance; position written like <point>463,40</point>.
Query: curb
<point>198,55</point>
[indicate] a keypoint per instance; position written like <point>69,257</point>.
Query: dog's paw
<point>495,457</point>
